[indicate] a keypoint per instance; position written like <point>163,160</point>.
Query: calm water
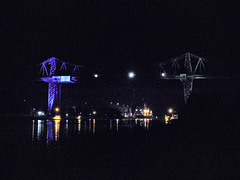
<point>57,130</point>
<point>114,149</point>
<point>70,148</point>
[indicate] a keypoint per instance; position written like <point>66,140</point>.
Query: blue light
<point>65,79</point>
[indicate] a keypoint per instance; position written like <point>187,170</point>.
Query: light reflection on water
<point>53,130</point>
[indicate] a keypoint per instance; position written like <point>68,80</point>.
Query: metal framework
<point>186,68</point>
<point>51,73</point>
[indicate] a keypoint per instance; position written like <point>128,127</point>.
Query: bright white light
<point>96,75</point>
<point>41,113</point>
<point>131,74</point>
<point>163,74</point>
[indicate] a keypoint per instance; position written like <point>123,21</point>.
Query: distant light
<point>110,102</point>
<point>79,117</point>
<point>56,109</point>
<point>41,113</point>
<point>94,112</point>
<point>96,75</point>
<point>170,110</point>
<point>117,103</point>
<point>67,115</point>
<point>131,74</point>
<point>163,74</point>
<point>57,117</point>
<point>166,119</point>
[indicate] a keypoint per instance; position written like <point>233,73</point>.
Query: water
<point>82,148</point>
<point>58,130</point>
<point>114,149</point>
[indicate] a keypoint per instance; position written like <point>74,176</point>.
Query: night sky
<point>114,37</point>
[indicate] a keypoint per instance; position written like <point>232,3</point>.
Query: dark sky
<point>111,36</point>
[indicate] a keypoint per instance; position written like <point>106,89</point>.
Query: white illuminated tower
<point>186,68</point>
<point>55,75</point>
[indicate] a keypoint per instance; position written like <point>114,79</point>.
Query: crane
<point>186,68</point>
<point>56,72</point>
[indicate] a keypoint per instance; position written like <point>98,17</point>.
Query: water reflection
<point>117,121</point>
<point>57,128</point>
<point>49,131</point>
<point>66,128</point>
<point>94,126</point>
<point>40,129</point>
<point>33,126</point>
<point>54,130</point>
<point>79,126</point>
<point>146,122</point>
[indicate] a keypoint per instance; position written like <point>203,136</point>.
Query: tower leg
<point>57,95</point>
<point>187,86</point>
<point>51,95</point>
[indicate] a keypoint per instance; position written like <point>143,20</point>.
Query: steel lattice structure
<point>186,68</point>
<point>55,72</point>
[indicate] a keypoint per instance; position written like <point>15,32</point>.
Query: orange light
<point>166,119</point>
<point>56,109</point>
<point>94,112</point>
<point>170,110</point>
<point>57,117</point>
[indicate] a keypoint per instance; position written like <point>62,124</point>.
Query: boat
<point>144,112</point>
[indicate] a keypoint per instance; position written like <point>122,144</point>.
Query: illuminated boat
<point>145,112</point>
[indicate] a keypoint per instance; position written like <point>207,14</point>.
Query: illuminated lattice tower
<point>55,73</point>
<point>186,68</point>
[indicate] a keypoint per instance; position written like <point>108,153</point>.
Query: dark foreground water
<point>113,149</point>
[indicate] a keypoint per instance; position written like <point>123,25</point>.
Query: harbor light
<point>170,110</point>
<point>131,75</point>
<point>41,113</point>
<point>57,109</point>
<point>57,117</point>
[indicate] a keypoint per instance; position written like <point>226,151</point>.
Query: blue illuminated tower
<point>55,75</point>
